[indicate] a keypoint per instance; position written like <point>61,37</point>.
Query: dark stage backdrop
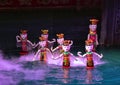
<point>73,23</point>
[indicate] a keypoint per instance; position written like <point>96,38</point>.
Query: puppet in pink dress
<point>49,44</point>
<point>58,50</point>
<point>23,42</point>
<point>93,33</point>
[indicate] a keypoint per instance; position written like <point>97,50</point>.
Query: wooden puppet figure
<point>24,41</point>
<point>60,41</point>
<point>66,55</point>
<point>42,52</point>
<point>89,54</point>
<point>45,34</point>
<point>89,48</point>
<point>93,33</point>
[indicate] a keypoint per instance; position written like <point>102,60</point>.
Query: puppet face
<point>89,48</point>
<point>42,43</point>
<point>60,41</point>
<point>66,47</point>
<point>45,36</point>
<point>93,27</point>
<point>23,36</point>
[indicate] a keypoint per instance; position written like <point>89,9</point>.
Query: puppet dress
<point>93,38</point>
<point>66,60</point>
<point>90,63</point>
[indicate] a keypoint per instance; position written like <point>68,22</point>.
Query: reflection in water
<point>22,71</point>
<point>66,75</point>
<point>89,76</point>
<point>93,76</point>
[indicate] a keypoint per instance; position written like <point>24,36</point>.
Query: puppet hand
<point>79,54</point>
<point>97,43</point>
<point>54,40</point>
<point>34,44</point>
<point>101,55</point>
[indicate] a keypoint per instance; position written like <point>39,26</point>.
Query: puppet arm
<point>54,49</point>
<point>97,40</point>
<point>100,56</point>
<point>79,54</point>
<point>18,38</point>
<point>36,45</point>
<point>53,40</point>
<point>71,42</point>
<point>58,57</point>
<point>88,37</point>
<point>50,52</point>
<point>73,57</point>
<point>36,55</point>
<point>84,55</point>
<point>30,43</point>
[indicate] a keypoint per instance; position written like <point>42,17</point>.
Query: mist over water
<point>22,71</point>
<point>15,71</point>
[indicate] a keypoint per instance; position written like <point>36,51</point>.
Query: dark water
<point>16,71</point>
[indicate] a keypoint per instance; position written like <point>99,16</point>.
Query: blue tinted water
<point>39,73</point>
